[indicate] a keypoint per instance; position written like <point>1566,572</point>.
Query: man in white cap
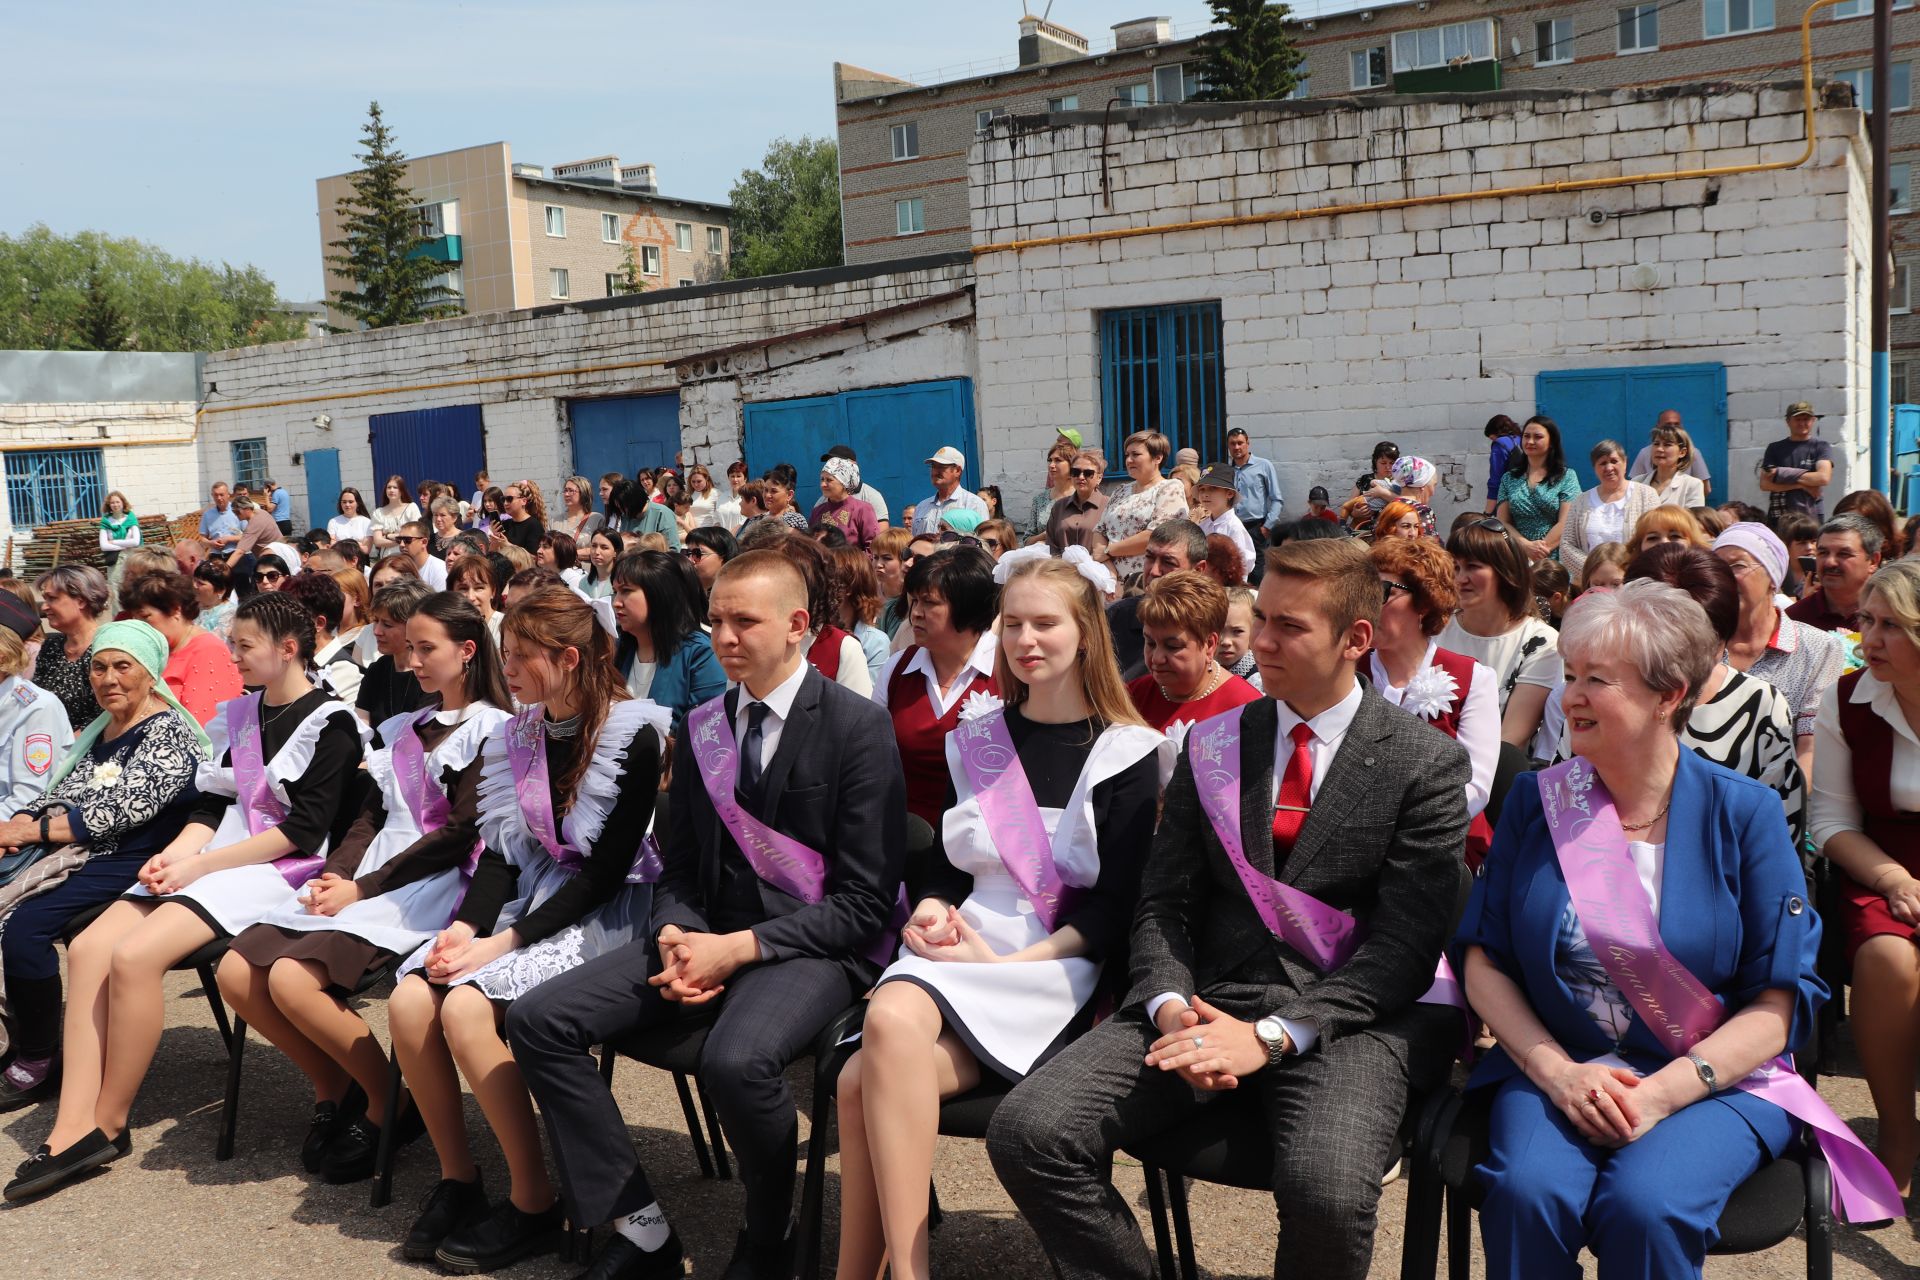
<point>946,466</point>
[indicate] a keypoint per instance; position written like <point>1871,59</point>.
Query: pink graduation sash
<point>527,757</point>
<point>258,805</point>
<point>780,860</point>
<point>1619,923</point>
<point>426,802</point>
<point>1012,815</point>
<point>1325,935</point>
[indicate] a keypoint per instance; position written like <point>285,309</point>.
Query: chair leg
<point>718,1135</point>
<point>211,988</point>
<point>812,1222</point>
<point>607,1055</point>
<point>695,1133</point>
<point>230,1106</point>
<point>383,1158</point>
<point>1819,1216</point>
<point>933,1208</point>
<point>1420,1241</point>
<point>1157,1211</point>
<point>1459,1235</point>
<point>1182,1225</point>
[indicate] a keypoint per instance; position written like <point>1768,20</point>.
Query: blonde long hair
<point>1099,674</point>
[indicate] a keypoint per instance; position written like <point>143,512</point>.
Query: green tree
<point>1253,58</point>
<point>381,250</point>
<point>102,325</point>
<point>630,278</point>
<point>786,214</point>
<point>165,303</point>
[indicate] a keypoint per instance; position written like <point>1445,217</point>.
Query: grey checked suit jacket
<point>1383,842</point>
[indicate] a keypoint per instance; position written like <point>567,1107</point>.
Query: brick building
<point>903,146</point>
<point>516,235</point>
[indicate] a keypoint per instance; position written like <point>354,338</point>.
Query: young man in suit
<point>814,783</point>
<point>1366,813</point>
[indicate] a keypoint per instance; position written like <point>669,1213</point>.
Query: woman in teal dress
<point>1538,489</point>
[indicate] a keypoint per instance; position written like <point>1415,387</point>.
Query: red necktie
<point>1296,794</point>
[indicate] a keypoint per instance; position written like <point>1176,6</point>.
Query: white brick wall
<point>1418,324</point>
<point>157,478</point>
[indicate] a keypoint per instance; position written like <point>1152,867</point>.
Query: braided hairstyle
<point>281,617</point>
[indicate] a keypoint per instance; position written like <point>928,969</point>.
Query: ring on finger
<point>1199,1042</point>
<point>1593,1097</point>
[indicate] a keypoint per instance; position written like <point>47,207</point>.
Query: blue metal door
<point>1592,405</point>
<point>323,486</point>
<point>447,444</point>
<point>624,434</point>
<point>892,429</point>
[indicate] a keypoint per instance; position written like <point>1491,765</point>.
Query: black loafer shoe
<point>753,1260</point>
<point>47,1170</point>
<point>622,1259</point>
<point>329,1118</point>
<point>355,1149</point>
<point>449,1207</point>
<point>502,1238</point>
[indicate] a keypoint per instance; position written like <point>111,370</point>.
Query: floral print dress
<point>1137,511</point>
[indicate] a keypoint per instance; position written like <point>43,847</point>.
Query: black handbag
<point>13,864</point>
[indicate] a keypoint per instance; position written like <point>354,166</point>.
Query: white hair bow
<point>1083,564</point>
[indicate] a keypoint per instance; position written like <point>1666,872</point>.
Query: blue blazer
<point>1733,910</point>
<point>691,676</point>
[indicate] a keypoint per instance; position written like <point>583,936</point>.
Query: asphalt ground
<point>170,1209</point>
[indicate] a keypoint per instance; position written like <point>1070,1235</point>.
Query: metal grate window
<point>1161,370</point>
<point>45,485</point>
<point>250,463</point>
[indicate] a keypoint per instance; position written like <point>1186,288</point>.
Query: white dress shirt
<point>1329,731</point>
<point>1228,526</point>
<point>779,707</point>
<point>1479,727</point>
<point>1833,805</point>
<point>979,667</point>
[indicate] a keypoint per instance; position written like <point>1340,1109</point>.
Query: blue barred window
<point>250,463</point>
<point>45,485</point>
<point>1161,370</point>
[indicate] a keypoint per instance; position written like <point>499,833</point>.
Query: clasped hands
<point>1211,1050</point>
<point>170,870</point>
<point>328,894</point>
<point>1611,1106</point>
<point>937,931</point>
<point>694,967</point>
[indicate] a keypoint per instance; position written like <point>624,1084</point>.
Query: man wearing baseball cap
<point>866,492</point>
<point>1795,472</point>
<point>946,466</point>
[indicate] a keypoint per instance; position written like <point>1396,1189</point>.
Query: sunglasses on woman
<point>1083,473</point>
<point>269,575</point>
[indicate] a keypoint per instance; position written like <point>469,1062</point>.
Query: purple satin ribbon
<point>1618,921</point>
<point>1325,935</point>
<point>527,757</point>
<point>426,802</point>
<point>1012,815</point>
<point>780,860</point>
<point>258,805</point>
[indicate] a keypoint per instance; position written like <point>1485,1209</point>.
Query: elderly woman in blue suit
<point>1607,1135</point>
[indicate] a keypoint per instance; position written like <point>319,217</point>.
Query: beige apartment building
<point>903,146</point>
<point>515,235</point>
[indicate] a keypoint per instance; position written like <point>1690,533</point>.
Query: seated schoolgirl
<point>565,795</point>
<point>271,804</point>
<point>390,885</point>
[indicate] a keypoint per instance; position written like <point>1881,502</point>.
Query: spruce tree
<point>1254,58</point>
<point>382,251</point>
<point>101,326</point>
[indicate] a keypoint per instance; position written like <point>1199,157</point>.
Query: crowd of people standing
<point>1200,791</point>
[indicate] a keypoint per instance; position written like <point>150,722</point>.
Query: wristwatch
<point>1704,1070</point>
<point>1274,1036</point>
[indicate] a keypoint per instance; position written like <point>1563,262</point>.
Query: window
<point>1899,179</point>
<point>983,120</point>
<point>906,141</point>
<point>683,237</point>
<point>250,463</point>
<point>1737,17</point>
<point>1367,68</point>
<point>1861,78</point>
<point>45,485</point>
<point>1302,87</point>
<point>1552,42</point>
<point>1897,381</point>
<point>649,259</point>
<point>1442,46</point>
<point>909,217</point>
<point>1639,28</point>
<point>438,220</point>
<point>610,228</point>
<point>1134,95</point>
<point>1066,102</point>
<point>1899,297</point>
<point>1176,82</point>
<point>1859,8</point>
<point>556,220</point>
<point>557,283</point>
<point>683,284</point>
<point>1161,370</point>
<point>716,241</point>
<point>616,283</point>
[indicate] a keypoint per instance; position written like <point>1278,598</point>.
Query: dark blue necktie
<point>750,768</point>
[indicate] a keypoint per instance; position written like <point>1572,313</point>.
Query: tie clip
<point>1293,808</point>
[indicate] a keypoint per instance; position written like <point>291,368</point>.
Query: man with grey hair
<point>1848,552</point>
<point>1172,546</point>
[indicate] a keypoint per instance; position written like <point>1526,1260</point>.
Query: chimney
<point>639,177</point>
<point>1043,42</point>
<point>1142,33</point>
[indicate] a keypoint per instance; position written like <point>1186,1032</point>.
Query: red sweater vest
<point>825,653</point>
<point>922,736</point>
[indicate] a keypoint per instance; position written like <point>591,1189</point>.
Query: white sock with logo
<point>647,1228</point>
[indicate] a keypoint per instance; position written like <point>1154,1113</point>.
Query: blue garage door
<point>891,429</point>
<point>1592,405</point>
<point>447,444</point>
<point>323,485</point>
<point>624,434</point>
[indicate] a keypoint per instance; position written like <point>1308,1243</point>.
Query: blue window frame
<point>45,485</point>
<point>250,463</point>
<point>1161,370</point>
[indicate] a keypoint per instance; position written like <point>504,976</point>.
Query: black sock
<point>36,1015</point>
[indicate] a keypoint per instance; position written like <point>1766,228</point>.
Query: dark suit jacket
<point>835,785</point>
<point>1383,842</point>
<point>1129,641</point>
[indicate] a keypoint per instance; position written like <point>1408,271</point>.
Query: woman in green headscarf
<point>123,791</point>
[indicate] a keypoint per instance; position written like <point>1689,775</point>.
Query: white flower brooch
<point>104,776</point>
<point>1429,693</point>
<point>980,703</point>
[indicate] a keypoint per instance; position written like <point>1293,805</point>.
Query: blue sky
<point>202,126</point>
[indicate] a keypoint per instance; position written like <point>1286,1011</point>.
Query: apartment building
<point>903,146</point>
<point>516,235</point>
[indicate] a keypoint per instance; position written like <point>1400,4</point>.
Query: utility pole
<point>1881,422</point>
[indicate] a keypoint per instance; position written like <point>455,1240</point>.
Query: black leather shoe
<point>449,1207</point>
<point>329,1118</point>
<point>13,1096</point>
<point>622,1259</point>
<point>47,1170</point>
<point>755,1261</point>
<point>502,1238</point>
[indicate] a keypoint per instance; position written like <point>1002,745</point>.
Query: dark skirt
<point>345,959</point>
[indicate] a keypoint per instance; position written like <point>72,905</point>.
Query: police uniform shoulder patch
<point>38,753</point>
<point>24,694</point>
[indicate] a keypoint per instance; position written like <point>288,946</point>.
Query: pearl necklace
<point>1215,674</point>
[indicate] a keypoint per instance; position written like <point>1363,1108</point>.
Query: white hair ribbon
<point>1078,557</point>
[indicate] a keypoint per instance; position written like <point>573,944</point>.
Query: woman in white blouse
<point>1497,627</point>
<point>701,510</point>
<point>1606,512</point>
<point>1132,516</point>
<point>352,522</point>
<point>398,509</point>
<point>1671,454</point>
